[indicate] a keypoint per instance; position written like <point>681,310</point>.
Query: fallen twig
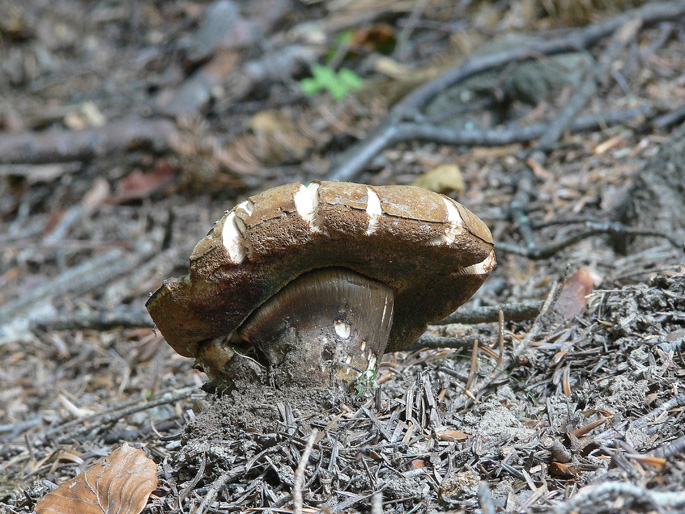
<point>640,423</point>
<point>512,312</point>
<point>102,320</point>
<point>411,131</point>
<point>603,492</point>
<point>676,447</point>
<point>589,87</point>
<point>226,478</point>
<point>518,349</point>
<point>62,145</point>
<point>81,277</point>
<point>438,342</point>
<point>112,416</point>
<point>221,38</point>
<point>299,473</point>
<point>17,315</point>
<point>669,119</point>
<point>485,500</point>
<point>535,252</point>
<point>191,485</point>
<point>538,324</point>
<point>377,503</point>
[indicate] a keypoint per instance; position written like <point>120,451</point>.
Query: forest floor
<point>127,129</point>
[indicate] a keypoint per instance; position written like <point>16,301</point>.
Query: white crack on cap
<point>247,206</point>
<point>306,201</point>
<point>453,226</point>
<point>480,268</point>
<point>233,238</point>
<point>373,209</point>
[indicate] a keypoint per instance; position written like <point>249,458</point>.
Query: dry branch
<point>613,490</point>
<point>108,417</point>
<point>62,145</point>
<point>17,315</point>
<point>512,312</point>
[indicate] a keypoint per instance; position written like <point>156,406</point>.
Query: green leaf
<point>310,86</point>
<point>350,79</point>
<point>337,90</point>
<point>323,74</point>
<point>338,84</point>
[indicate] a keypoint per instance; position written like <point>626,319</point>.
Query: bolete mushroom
<point>316,282</point>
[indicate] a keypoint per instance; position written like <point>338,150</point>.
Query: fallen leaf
<point>138,185</point>
<point>563,470</point>
<point>573,297</point>
<point>451,436</point>
<point>119,483</point>
<point>445,178</point>
<point>380,37</point>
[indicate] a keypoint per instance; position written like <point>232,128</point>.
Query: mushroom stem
<point>327,326</point>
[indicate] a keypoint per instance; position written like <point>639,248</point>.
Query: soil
<point>257,407</point>
<point>126,129</point>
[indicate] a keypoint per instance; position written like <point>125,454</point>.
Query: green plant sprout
<point>366,380</point>
<point>337,83</point>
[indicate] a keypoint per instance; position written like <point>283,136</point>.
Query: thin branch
<point>113,417</point>
<point>536,252</point>
<point>196,479</point>
<point>408,131</point>
<point>226,478</point>
<point>62,145</point>
<point>299,473</point>
<point>534,331</point>
<point>589,88</point>
<point>593,495</point>
<point>512,312</point>
<point>437,342</point>
<point>669,119</point>
<point>98,320</point>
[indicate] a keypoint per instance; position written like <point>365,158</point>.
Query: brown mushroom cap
<point>430,250</point>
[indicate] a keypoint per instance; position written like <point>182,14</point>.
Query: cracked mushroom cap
<point>430,250</point>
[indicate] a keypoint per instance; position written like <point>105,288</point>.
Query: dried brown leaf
<point>451,435</point>
<point>560,469</point>
<point>119,483</point>
<point>574,295</point>
<point>446,178</point>
<point>138,185</point>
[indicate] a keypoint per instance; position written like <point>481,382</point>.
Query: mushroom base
<point>328,326</point>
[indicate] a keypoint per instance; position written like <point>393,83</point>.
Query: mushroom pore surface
<point>429,251</point>
<point>329,324</point>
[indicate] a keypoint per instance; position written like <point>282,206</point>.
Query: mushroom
<point>316,282</point>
